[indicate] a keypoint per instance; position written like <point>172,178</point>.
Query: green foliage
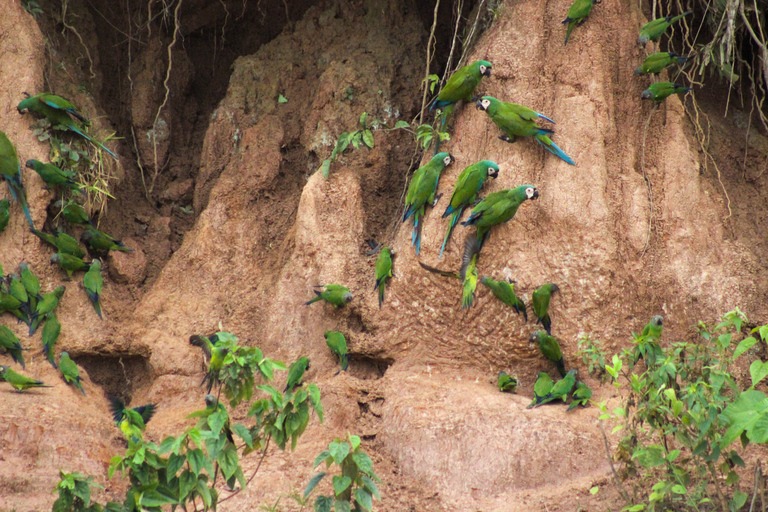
<point>362,136</point>
<point>682,410</point>
<point>32,7</point>
<point>75,494</point>
<point>426,133</point>
<point>432,81</point>
<point>593,356</point>
<point>355,487</point>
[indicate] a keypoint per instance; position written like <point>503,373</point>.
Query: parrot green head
<point>487,102</point>
<point>347,297</point>
<point>657,320</point>
<point>493,168</point>
<point>33,164</point>
<point>25,104</point>
<point>483,67</point>
<point>444,158</point>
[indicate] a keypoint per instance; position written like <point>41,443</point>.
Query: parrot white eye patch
<point>482,69</point>
<point>485,103</point>
<point>447,160</point>
<point>530,192</point>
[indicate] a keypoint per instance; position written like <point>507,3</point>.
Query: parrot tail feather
<point>74,128</point>
<point>548,119</point>
<point>451,225</point>
<point>561,367</point>
<point>381,294</point>
<point>552,148</point>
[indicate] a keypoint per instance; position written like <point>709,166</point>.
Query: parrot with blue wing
<point>497,208</point>
<point>421,192</point>
<point>11,171</point>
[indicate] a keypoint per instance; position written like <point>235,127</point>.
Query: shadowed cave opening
<point>118,375</point>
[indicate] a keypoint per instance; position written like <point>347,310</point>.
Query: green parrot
<point>296,373</point>
<point>10,344</point>
<point>460,87</point>
<point>218,355</point>
<point>421,192</point>
<point>541,389</point>
<point>12,305</point>
<point>93,282</point>
<point>18,292</point>
<point>652,30</point>
<point>45,306</point>
<point>506,383</point>
<point>540,302</point>
<point>5,213</point>
<point>465,191</point>
<point>559,390</point>
<point>338,345</point>
<point>648,347</point>
<point>577,14</point>
<point>519,121</point>
<point>550,348</point>
<point>652,330</point>
<point>336,294</point>
<point>580,396</point>
<point>58,111</point>
<point>656,62</point>
<point>51,330</point>
<point>61,241</point>
<point>131,421</point>
<point>73,212</point>
<point>52,175</point>
<point>467,274</point>
<point>383,271</point>
<point>69,263</point>
<point>20,382</point>
<point>11,171</point>
<point>101,242</point>
<point>505,292</point>
<point>659,91</point>
<point>70,371</point>
<point>31,284</point>
<point>497,208</point>
<point>206,343</point>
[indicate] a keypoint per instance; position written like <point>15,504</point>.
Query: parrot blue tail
<point>438,104</point>
<point>545,117</point>
<point>451,225</point>
<point>552,148</point>
<point>92,140</point>
<point>416,236</point>
<point>17,192</point>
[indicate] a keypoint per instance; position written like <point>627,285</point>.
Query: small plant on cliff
<point>682,411</point>
<point>75,494</point>
<point>363,136</point>
<point>354,488</point>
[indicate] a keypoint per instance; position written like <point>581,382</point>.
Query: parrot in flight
<point>421,192</point>
<point>338,345</point>
<point>51,331</point>
<point>10,344</point>
<point>206,343</point>
<point>557,391</point>
<point>580,396</point>
<point>656,62</point>
<point>53,175</point>
<point>69,263</point>
<point>519,121</point>
<point>59,111</point>
<point>70,372</point>
<point>11,171</point>
<point>652,30</point>
<point>93,282</point>
<point>20,382</point>
<point>45,306</point>
<point>505,292</point>
<point>131,421</point>
<point>383,270</point>
<point>659,91</point>
<point>506,383</point>
<point>61,241</point>
<point>497,208</point>
<point>577,14</point>
<point>460,87</point>
<point>99,241</point>
<point>336,294</point>
<point>550,348</point>
<point>540,302</point>
<point>5,213</point>
<point>296,373</point>
<point>465,191</point>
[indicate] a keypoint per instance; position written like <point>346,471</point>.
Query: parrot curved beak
<point>494,174</point>
<point>535,194</point>
<point>487,72</point>
<point>479,104</point>
<point>646,95</point>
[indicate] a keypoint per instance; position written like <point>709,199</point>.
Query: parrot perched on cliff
<point>506,383</point>
<point>51,330</point>
<point>467,274</point>
<point>296,373</point>
<point>656,62</point>
<point>541,388</point>
<point>58,111</point>
<point>505,292</point>
<point>73,212</point>
<point>53,175</point>
<point>69,263</point>
<point>45,306</point>
<point>652,331</point>
<point>93,283</point>
<point>519,121</point>
<point>540,302</point>
<point>421,192</point>
<point>652,30</point>
<point>580,396</point>
<point>18,292</point>
<point>550,348</point>
<point>497,208</point>
<point>577,14</point>
<point>11,171</point>
<point>218,355</point>
<point>61,241</point>
<point>70,371</point>
<point>383,270</point>
<point>338,345</point>
<point>20,382</point>
<point>9,343</point>
<point>659,91</point>
<point>465,191</point>
<point>31,284</point>
<point>5,213</point>
<point>460,87</point>
<point>558,391</point>
<point>648,347</point>
<point>98,241</point>
<point>12,305</point>
<point>336,294</point>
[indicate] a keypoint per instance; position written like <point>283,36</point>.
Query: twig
<point>459,8</point>
<point>64,7</point>
<point>263,455</point>
<point>610,461</point>
<point>430,44</point>
<point>647,180</point>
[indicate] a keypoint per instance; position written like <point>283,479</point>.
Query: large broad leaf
<point>758,370</point>
<point>650,457</point>
<point>371,486</point>
<point>363,498</point>
<point>341,483</point>
<point>748,413</point>
<point>744,345</point>
<point>338,451</point>
<point>364,462</point>
<point>323,504</point>
<point>313,483</point>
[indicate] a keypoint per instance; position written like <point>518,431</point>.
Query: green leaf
<point>368,138</point>
<point>354,441</point>
<point>363,120</point>
<point>320,458</point>
<point>738,501</point>
<point>763,330</point>
<point>167,445</point>
<point>679,489</point>
<point>356,138</point>
<point>363,498</point>
<point>323,504</point>
<point>634,508</point>
<point>732,478</point>
<point>313,483</point>
<point>341,145</point>
<point>402,124</point>
<point>314,399</point>
<point>202,489</point>
<point>758,370</point>
<point>228,460</point>
<point>174,464</point>
<point>342,506</point>
<point>371,486</point>
<point>340,484</point>
<point>325,168</point>
<point>650,457</point>
<point>338,451</point>
<point>743,346</point>
<point>281,99</point>
<point>195,458</point>
<point>244,433</point>
<point>593,490</point>
<point>749,412</point>
<point>216,421</point>
<point>363,461</point>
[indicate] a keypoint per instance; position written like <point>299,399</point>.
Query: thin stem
<point>430,44</point>
<point>610,461</point>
